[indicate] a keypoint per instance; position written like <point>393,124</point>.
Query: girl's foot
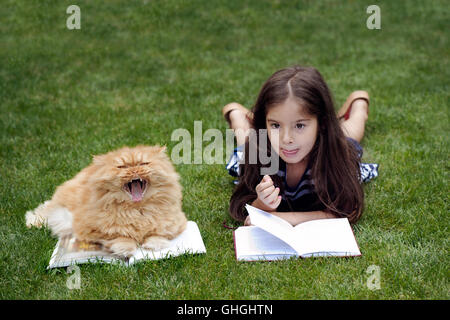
<point>353,115</point>
<point>358,108</point>
<point>236,112</point>
<point>356,100</point>
<point>239,118</point>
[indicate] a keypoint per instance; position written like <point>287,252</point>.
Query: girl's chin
<point>291,160</point>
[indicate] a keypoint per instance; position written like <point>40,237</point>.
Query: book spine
<point>234,243</point>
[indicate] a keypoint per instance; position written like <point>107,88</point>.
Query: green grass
<point>138,70</point>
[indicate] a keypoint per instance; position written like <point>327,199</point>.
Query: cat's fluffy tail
<point>58,219</point>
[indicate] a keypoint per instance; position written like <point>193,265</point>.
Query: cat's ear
<point>163,149</point>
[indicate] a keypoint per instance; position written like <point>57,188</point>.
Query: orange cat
<point>123,199</point>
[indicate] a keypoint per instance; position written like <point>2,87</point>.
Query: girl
<point>319,153</point>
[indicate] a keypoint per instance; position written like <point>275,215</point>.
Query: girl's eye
<point>275,126</point>
<point>122,167</point>
<point>299,125</point>
<point>144,163</point>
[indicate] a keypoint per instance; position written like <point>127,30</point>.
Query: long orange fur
<point>100,210</point>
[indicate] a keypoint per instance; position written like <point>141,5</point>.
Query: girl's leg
<point>354,126</point>
<point>238,119</point>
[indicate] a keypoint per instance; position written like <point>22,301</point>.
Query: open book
<point>69,251</point>
<point>272,238</point>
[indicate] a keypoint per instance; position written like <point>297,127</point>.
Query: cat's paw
<point>124,248</point>
<point>155,243</point>
<point>37,217</point>
<point>32,220</point>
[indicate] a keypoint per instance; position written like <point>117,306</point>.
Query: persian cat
<point>124,199</point>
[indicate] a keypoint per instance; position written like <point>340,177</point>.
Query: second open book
<point>272,238</point>
<point>70,251</point>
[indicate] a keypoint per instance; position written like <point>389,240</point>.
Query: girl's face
<point>292,132</point>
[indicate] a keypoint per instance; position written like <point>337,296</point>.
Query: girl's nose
<point>286,137</point>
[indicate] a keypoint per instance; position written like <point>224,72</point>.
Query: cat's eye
<point>140,164</point>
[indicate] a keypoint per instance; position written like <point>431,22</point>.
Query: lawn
<point>138,70</point>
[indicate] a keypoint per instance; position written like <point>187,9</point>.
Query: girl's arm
<point>295,218</point>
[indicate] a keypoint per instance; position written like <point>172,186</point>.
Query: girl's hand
<point>268,196</point>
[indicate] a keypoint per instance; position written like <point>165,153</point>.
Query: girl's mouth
<point>289,153</point>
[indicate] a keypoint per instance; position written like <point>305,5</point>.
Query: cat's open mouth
<point>136,189</point>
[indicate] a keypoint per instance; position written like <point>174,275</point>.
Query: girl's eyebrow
<point>298,120</point>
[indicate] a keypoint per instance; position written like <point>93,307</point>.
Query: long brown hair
<point>334,161</point>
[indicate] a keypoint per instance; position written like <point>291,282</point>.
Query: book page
<point>253,243</point>
<point>272,224</point>
<point>190,241</point>
<point>332,237</point>
<point>69,251</point>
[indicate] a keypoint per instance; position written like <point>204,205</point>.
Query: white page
<point>62,258</point>
<point>253,243</point>
<point>331,236</point>
<point>272,224</point>
<point>69,251</point>
<point>190,241</point>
